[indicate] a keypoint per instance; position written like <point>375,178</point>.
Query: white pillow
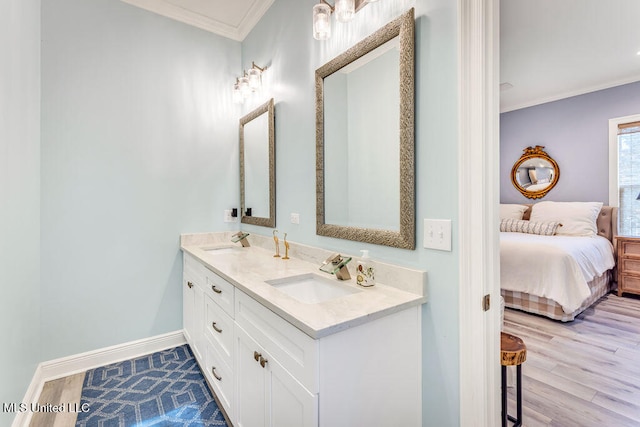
<point>577,218</point>
<point>509,211</point>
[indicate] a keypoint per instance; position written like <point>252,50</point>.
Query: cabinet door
<point>290,404</point>
<point>250,382</point>
<point>197,330</point>
<point>188,298</point>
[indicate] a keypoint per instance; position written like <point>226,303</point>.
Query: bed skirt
<point>599,286</point>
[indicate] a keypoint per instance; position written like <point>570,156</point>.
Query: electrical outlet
<point>228,217</point>
<point>437,234</point>
<point>295,218</point>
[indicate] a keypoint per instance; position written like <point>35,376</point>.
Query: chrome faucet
<point>337,264</point>
<point>242,238</point>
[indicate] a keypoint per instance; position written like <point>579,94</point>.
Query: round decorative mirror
<point>535,173</point>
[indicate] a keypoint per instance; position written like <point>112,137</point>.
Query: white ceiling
<point>229,18</point>
<point>553,49</point>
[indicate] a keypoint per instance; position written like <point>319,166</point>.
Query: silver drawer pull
<point>215,328</point>
<point>213,371</point>
<point>256,355</point>
<point>263,361</point>
<point>216,290</point>
<point>190,285</point>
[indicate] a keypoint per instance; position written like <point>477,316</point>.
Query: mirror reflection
<point>362,145</point>
<point>365,139</point>
<point>257,166</point>
<point>535,173</point>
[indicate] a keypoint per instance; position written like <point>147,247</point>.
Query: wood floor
<point>66,391</point>
<point>582,373</point>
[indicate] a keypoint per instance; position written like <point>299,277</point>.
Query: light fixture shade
<point>345,10</point>
<point>245,90</point>
<point>254,78</point>
<point>236,94</point>
<point>321,21</point>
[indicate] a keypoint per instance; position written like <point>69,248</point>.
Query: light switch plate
<point>437,234</point>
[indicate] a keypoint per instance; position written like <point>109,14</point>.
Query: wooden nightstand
<point>628,265</point>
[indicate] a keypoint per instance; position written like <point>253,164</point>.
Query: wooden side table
<point>513,352</point>
<point>628,265</point>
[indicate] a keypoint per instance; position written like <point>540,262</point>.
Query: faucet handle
<point>337,264</point>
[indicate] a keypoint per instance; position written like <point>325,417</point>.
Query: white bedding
<point>555,267</point>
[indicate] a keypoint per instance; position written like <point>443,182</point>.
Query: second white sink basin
<point>311,288</point>
<point>222,250</point>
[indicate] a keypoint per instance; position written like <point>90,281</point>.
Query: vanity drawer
<point>221,378</point>
<point>292,348</point>
<point>220,291</point>
<point>194,272</point>
<point>219,329</point>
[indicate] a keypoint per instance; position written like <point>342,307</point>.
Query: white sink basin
<point>222,250</point>
<point>312,288</point>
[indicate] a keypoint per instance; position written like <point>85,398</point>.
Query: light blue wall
<point>139,144</point>
<point>19,198</point>
<point>283,39</point>
<point>575,132</point>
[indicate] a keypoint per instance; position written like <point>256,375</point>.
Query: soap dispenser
<point>365,271</point>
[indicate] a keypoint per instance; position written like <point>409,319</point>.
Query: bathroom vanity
<point>283,344</point>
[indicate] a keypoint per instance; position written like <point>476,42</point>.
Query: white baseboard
<point>65,366</point>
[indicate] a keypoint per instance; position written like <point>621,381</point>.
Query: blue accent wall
<point>19,198</point>
<point>283,39</point>
<point>139,144</point>
<point>575,132</point>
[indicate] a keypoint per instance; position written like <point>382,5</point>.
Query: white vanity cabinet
<point>268,373</point>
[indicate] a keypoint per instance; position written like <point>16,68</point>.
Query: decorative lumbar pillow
<point>577,218</point>
<point>530,227</point>
<point>509,211</point>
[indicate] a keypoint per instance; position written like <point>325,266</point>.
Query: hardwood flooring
<point>65,391</point>
<point>582,373</point>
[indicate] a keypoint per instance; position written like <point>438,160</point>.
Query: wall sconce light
<point>251,81</point>
<point>345,10</point>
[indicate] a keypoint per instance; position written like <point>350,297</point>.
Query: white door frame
<point>478,166</point>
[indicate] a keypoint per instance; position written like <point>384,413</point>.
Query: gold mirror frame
<point>267,107</point>
<point>404,28</point>
<point>530,153</point>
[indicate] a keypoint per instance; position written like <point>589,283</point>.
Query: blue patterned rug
<point>161,389</point>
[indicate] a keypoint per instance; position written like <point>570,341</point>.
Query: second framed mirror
<point>257,166</point>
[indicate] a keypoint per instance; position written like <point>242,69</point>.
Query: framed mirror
<point>365,173</point>
<point>257,166</point>
<point>535,173</point>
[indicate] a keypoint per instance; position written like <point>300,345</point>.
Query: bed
<point>557,276</point>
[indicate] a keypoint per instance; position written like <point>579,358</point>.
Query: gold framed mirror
<point>535,173</point>
<point>257,166</point>
<point>365,161</point>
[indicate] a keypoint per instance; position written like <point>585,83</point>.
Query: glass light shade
<point>321,21</point>
<point>345,10</point>
<point>236,94</point>
<point>254,78</point>
<point>245,90</point>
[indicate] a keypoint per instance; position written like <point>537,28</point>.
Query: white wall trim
<point>478,166</point>
<point>238,33</point>
<point>65,366</point>
<point>569,94</point>
<point>613,156</point>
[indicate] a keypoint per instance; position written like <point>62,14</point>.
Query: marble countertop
<point>248,268</point>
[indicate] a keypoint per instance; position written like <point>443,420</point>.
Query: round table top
<point>512,350</point>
